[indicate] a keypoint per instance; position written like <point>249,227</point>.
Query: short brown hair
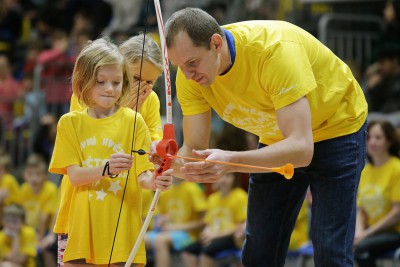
<point>198,24</point>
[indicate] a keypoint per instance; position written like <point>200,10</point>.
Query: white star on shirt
<point>100,194</point>
<point>90,195</point>
<point>114,187</point>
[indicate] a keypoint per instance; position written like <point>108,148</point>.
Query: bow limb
<point>167,147</point>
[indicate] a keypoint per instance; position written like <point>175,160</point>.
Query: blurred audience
<point>225,215</point>
<point>17,241</point>
<point>178,222</point>
<point>378,201</point>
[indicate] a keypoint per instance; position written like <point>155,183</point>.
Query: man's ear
<point>216,41</point>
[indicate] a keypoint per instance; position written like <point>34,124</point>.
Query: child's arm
<point>162,182</point>
<point>81,176</point>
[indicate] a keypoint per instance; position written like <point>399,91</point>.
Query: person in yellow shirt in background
<point>148,106</point>
<point>277,81</point>
<point>178,222</point>
<point>17,240</point>
<point>94,152</point>
<point>226,212</point>
<point>8,183</point>
<point>378,201</point>
<point>38,197</point>
<point>300,234</point>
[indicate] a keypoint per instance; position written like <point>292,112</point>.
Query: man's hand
<point>206,172</point>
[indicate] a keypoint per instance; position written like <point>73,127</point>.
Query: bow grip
<point>166,148</point>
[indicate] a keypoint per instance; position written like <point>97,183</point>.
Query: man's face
<point>199,64</point>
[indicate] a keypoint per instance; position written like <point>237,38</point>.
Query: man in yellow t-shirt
<point>277,81</point>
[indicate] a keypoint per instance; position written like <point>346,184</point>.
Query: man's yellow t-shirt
<point>9,182</point>
<point>93,208</point>
<point>27,245</point>
<point>226,212</point>
<point>276,64</point>
<point>183,203</point>
<point>379,188</point>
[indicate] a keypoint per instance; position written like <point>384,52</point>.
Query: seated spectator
<point>38,196</point>
<point>378,201</point>
<point>226,213</point>
<point>57,70</point>
<point>17,241</point>
<point>8,183</point>
<point>383,86</point>
<point>300,234</point>
<point>178,222</point>
<point>33,103</point>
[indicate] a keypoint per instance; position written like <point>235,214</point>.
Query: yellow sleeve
<point>28,244</point>
<point>150,112</point>
<point>10,183</point>
<point>66,149</point>
<point>287,73</point>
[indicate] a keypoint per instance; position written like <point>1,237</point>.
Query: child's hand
<point>120,162</point>
<point>164,181</point>
<point>144,92</point>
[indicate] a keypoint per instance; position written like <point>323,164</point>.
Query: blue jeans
<point>274,203</point>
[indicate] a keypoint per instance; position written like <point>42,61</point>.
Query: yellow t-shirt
<point>379,188</point>
<point>66,188</point>
<point>300,234</point>
<point>93,209</point>
<point>9,183</point>
<point>27,245</point>
<point>225,213</point>
<point>183,203</point>
<point>150,112</point>
<point>276,64</point>
<point>37,204</point>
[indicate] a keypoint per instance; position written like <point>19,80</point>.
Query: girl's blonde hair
<point>132,50</point>
<point>98,53</point>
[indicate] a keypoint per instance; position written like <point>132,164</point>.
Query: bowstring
<point>134,130</point>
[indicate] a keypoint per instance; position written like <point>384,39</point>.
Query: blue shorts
<point>179,239</point>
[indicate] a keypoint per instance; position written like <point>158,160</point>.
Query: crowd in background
<point>39,42</point>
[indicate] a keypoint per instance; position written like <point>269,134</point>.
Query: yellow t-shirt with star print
<point>93,208</point>
<point>276,64</point>
<point>150,112</point>
<point>379,188</point>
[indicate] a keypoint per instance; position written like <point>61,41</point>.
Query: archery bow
<point>167,147</point>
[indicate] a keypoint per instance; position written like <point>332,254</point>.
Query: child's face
<point>12,223</point>
<point>108,87</point>
<point>35,176</point>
